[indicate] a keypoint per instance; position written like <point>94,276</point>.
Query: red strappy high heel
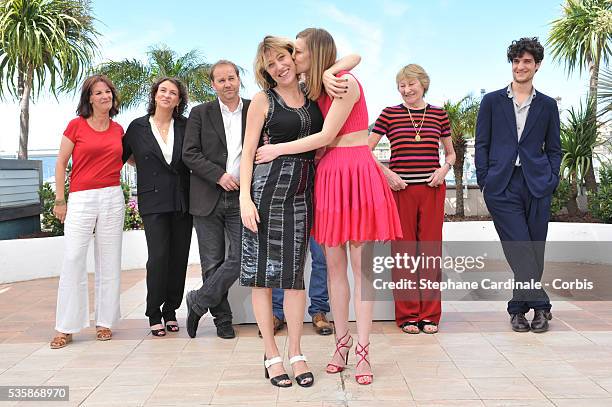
<point>341,344</point>
<point>363,354</point>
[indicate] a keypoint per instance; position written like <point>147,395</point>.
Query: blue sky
<point>461,44</point>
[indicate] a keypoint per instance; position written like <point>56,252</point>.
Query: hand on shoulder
<point>352,88</point>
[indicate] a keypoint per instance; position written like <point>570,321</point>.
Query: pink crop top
<point>357,119</point>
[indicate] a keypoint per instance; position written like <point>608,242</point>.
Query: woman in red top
<point>96,207</point>
<point>353,203</point>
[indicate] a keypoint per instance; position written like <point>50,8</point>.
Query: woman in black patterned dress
<point>277,210</point>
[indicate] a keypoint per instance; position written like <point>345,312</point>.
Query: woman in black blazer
<point>155,142</point>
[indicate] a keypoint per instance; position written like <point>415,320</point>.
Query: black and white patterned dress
<point>282,190</point>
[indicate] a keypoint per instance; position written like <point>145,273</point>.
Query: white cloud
<point>354,34</point>
<point>118,45</point>
<point>394,8</point>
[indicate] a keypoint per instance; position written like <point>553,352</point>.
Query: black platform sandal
<point>172,326</point>
<point>276,380</point>
<point>305,379</point>
<point>158,332</point>
<point>410,327</point>
<point>425,323</point>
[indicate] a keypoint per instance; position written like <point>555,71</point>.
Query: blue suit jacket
<point>497,144</point>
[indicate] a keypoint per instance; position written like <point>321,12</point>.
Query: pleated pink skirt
<point>352,200</point>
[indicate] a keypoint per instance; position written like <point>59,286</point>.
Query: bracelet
<point>450,166</point>
<point>59,202</point>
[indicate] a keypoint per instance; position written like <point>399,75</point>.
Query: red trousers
<point>421,213</point>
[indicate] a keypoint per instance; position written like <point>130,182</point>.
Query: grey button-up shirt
<point>520,113</point>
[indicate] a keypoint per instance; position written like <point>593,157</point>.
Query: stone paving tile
<point>429,370</point>
<point>519,403</point>
<point>182,395</point>
<point>605,402</point>
<point>119,395</point>
<point>475,360</point>
<point>442,389</point>
<point>487,368</point>
<point>245,392</point>
<point>542,369</point>
<point>570,388</point>
<point>506,388</point>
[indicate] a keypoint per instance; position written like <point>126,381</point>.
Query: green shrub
<point>132,216</point>
<point>560,197</point>
<point>49,223</point>
<point>600,202</point>
<point>605,174</point>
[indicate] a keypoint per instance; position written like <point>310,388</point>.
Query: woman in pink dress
<point>354,205</point>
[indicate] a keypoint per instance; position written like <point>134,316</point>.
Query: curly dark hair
<point>180,108</point>
<point>525,44</point>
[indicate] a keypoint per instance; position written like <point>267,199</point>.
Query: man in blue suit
<point>518,155</point>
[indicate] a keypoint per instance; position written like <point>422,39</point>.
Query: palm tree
<point>578,141</point>
<point>43,44</point>
<point>133,78</point>
<point>462,116</point>
<point>604,92</point>
<point>581,39</point>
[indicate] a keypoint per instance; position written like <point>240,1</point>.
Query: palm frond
<point>604,93</point>
<point>163,61</point>
<point>582,35</point>
<point>54,40</point>
<point>462,116</point>
<point>134,78</point>
<point>131,78</point>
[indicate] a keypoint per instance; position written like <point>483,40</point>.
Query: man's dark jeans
<point>218,272</point>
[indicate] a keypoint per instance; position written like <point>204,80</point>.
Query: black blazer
<point>205,154</point>
<point>162,187</point>
<point>497,144</point>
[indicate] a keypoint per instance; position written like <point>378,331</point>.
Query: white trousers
<point>98,213</point>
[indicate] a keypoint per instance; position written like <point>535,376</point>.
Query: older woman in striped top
<point>415,129</point>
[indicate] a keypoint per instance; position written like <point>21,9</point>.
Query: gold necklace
<point>417,131</point>
<point>163,131</point>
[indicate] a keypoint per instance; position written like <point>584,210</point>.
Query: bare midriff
<point>354,139</point>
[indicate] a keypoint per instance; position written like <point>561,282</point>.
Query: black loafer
<point>226,331</point>
<point>519,323</point>
<point>193,318</point>
<point>540,321</point>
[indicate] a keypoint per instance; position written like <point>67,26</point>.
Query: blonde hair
<point>413,71</point>
<point>269,43</point>
<point>322,50</point>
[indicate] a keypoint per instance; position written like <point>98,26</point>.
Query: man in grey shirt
<point>518,155</point>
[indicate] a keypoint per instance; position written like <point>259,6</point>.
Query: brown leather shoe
<point>321,324</point>
<point>278,325</point>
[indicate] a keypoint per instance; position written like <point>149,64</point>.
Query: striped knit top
<point>412,159</point>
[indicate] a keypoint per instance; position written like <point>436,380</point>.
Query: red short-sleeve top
<point>96,157</point>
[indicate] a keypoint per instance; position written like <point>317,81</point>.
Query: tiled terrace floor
<point>474,361</point>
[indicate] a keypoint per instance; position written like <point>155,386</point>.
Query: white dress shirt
<point>167,147</point>
<point>232,122</point>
